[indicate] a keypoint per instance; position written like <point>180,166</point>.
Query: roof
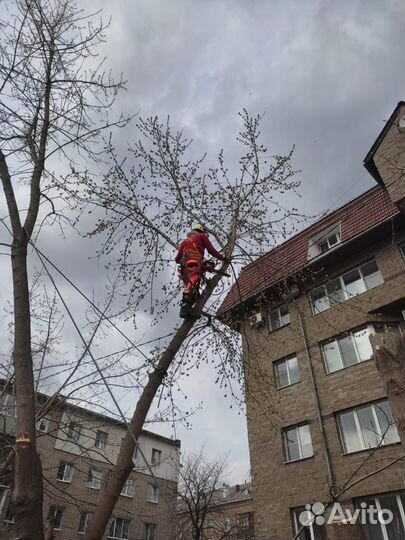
<point>62,402</point>
<point>369,159</point>
<point>367,211</point>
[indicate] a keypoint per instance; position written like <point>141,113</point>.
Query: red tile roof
<point>356,217</point>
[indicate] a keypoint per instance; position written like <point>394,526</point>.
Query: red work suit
<point>190,256</point>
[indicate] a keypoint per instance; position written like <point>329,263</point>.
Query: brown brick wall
<point>76,496</point>
<point>279,486</point>
<point>390,161</point>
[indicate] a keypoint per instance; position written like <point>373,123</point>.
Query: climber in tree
<point>190,257</point>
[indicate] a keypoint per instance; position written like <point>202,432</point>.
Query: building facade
<point>319,424</point>
<point>78,449</point>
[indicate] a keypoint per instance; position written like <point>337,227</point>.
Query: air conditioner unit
<point>256,320</point>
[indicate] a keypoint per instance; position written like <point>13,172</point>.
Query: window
<point>65,472</point>
<point>94,479</point>
<point>156,456</point>
<point>149,531</point>
<point>324,241</point>
<point>402,249</point>
<point>101,439</point>
<point>210,527</point>
<point>312,531</point>
<point>352,347</point>
<point>354,282</point>
<point>119,528</point>
<point>7,404</point>
<point>287,372</point>
<point>56,515</point>
<point>228,524</point>
<point>6,511</point>
<point>43,425</point>
<point>73,431</point>
<point>84,523</point>
<point>153,493</point>
<point>367,427</point>
<point>297,443</point>
<point>243,520</point>
<point>129,488</point>
<point>378,529</point>
<point>279,317</point>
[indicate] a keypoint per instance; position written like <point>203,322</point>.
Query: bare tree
<point>53,91</point>
<point>199,482</point>
<point>144,206</point>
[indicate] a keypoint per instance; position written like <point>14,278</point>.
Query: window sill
<point>348,367</point>
<point>287,386</point>
<point>299,460</point>
<point>64,481</point>
<point>371,449</point>
<point>127,496</point>
<point>95,488</point>
<point>279,328</point>
<point>154,502</point>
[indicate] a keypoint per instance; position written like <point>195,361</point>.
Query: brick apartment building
<point>318,417</point>
<point>78,448</point>
<point>229,515</point>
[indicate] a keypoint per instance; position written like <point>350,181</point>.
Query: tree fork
<point>109,497</point>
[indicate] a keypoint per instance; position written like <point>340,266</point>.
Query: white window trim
<point>359,430</point>
<point>119,537</point>
<point>95,482</point>
<point>313,246</point>
<point>125,487</point>
<point>286,360</point>
<point>63,480</point>
<point>150,491</point>
<point>335,340</point>
<point>277,309</point>
<point>102,440</point>
<point>159,453</point>
<point>76,432</point>
<point>46,421</point>
<point>342,288</point>
<point>299,443</point>
<point>402,249</point>
<point>86,523</point>
<point>61,519</point>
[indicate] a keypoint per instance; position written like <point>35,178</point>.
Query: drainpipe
<point>330,474</point>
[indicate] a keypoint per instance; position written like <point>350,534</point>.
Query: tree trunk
<point>389,354</point>
<point>27,489</point>
<point>109,497</point>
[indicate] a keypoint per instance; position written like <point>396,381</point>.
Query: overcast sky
<point>325,74</point>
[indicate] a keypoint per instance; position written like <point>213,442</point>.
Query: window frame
<point>326,296</point>
<point>124,491</point>
<point>57,509</point>
<point>276,372</point>
<point>86,521</point>
<point>312,531</point>
<point>73,432</point>
<point>101,441</point>
<point>122,521</point>
<point>66,466</point>
<point>286,446</point>
<point>156,452</point>
<point>277,311</point>
<point>242,518</point>
<point>5,504</point>
<point>359,431</point>
<point>376,500</point>
<point>91,477</point>
<point>146,527</point>
<point>401,247</point>
<point>39,422</point>
<point>153,493</point>
<point>371,328</point>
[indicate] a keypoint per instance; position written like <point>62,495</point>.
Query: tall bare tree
<point>53,93</point>
<point>199,482</point>
<point>145,204</point>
